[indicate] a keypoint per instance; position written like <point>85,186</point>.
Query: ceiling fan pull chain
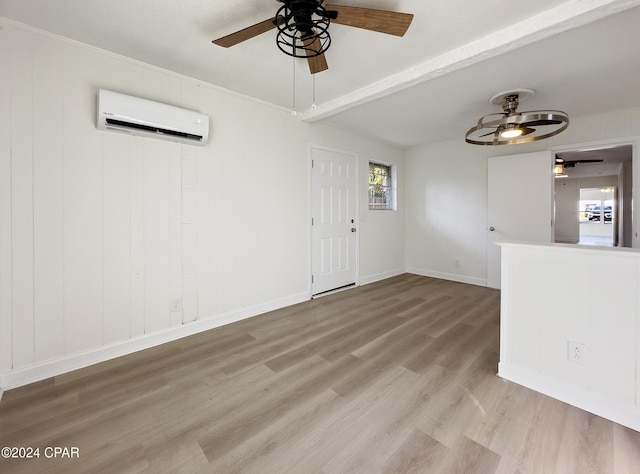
<point>293,62</point>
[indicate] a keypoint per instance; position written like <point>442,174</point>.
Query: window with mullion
<point>380,186</point>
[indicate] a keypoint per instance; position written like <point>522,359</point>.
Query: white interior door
<point>520,204</point>
<point>333,213</point>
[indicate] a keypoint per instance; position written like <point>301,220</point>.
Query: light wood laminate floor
<point>395,376</point>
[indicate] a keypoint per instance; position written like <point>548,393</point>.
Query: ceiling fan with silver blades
<point>303,28</point>
<point>512,127</point>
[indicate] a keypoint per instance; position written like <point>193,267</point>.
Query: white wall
<point>566,197</point>
<point>553,294</point>
<point>100,232</point>
<point>447,211</point>
<point>447,193</point>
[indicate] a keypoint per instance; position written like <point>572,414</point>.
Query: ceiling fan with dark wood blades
<point>573,163</point>
<point>303,28</point>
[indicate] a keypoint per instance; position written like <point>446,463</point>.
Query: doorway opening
<point>593,196</point>
<point>597,217</point>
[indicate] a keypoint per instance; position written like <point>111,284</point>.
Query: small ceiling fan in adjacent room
<point>561,164</point>
<point>573,163</point>
<point>303,28</point>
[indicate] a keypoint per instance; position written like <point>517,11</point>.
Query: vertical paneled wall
<point>94,250</point>
<point>101,232</point>
<point>6,264</point>
<point>446,211</point>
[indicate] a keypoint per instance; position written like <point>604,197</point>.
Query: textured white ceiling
<point>581,56</point>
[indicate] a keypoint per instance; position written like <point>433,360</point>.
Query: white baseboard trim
<point>380,276</point>
<point>626,415</point>
<point>51,368</point>
<point>449,276</point>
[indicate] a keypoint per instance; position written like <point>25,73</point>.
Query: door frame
<point>634,141</point>
<point>356,178</point>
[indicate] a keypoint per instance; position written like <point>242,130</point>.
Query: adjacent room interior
<point>594,196</point>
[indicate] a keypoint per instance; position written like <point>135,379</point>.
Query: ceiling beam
<point>569,15</point>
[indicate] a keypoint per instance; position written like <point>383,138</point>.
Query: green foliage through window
<point>380,186</point>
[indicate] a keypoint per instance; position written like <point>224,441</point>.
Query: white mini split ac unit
<point>124,113</point>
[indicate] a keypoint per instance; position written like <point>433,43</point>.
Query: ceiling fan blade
<point>382,21</point>
<point>490,133</point>
<point>584,161</point>
<point>537,123</point>
<point>316,63</point>
<point>246,33</point>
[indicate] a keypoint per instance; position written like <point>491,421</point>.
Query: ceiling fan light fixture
<point>558,171</point>
<point>512,127</point>
<point>511,131</point>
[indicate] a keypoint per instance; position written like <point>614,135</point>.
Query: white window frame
<point>391,204</point>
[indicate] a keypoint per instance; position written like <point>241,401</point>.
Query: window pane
<point>380,186</point>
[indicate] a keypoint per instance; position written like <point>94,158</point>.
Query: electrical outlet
<point>457,264</point>
<point>575,352</point>
<point>176,304</point>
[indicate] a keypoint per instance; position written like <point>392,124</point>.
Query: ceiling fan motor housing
<point>510,104</point>
<point>303,28</point>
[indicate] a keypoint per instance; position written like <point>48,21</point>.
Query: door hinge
<point>311,278</point>
<point>312,163</point>
<point>312,221</point>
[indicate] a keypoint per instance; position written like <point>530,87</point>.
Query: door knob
<point>353,229</point>
<point>492,228</point>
